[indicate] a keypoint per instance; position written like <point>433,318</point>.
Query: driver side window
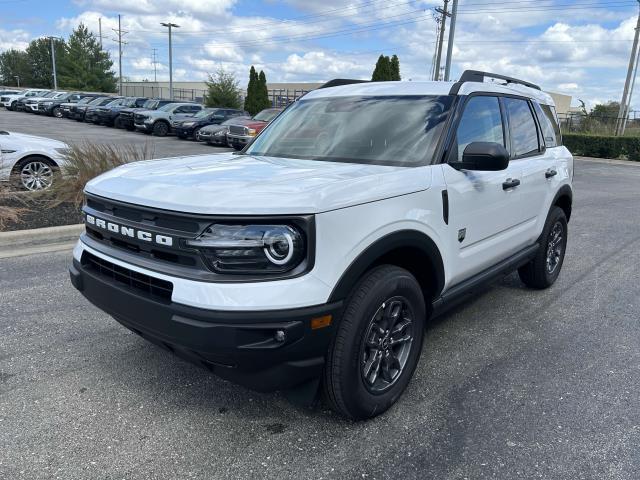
<point>481,121</point>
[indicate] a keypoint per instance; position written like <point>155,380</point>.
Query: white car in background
<point>9,101</point>
<point>28,161</point>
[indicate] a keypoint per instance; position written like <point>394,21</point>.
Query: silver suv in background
<point>159,122</point>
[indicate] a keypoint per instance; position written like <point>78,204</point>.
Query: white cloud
<point>13,39</point>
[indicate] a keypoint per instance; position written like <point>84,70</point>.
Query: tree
<point>86,66</point>
<point>251,100</point>
<point>262,94</point>
<point>14,63</point>
<point>604,110</point>
<point>223,90</point>
<point>395,68</point>
<point>39,60</point>
<point>385,69</point>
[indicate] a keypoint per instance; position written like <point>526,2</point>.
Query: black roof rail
<point>336,82</point>
<point>478,76</point>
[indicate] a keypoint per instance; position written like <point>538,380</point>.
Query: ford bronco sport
<point>311,263</point>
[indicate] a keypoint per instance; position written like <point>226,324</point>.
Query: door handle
<point>510,183</point>
<point>550,173</point>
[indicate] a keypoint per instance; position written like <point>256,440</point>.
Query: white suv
<point>312,260</point>
<point>9,101</point>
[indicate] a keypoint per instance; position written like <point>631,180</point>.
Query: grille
<point>126,114</point>
<point>139,118</point>
<point>153,287</point>
<point>4,99</point>
<point>238,130</point>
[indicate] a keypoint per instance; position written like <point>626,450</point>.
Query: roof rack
<point>478,76</point>
<point>336,82</point>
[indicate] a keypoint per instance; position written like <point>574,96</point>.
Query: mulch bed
<point>41,213</point>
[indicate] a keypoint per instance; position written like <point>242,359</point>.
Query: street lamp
<point>170,26</point>
<point>17,77</point>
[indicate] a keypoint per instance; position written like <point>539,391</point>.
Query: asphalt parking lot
<point>71,131</point>
<point>516,384</point>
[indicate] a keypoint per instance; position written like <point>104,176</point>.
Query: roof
<point>426,88</point>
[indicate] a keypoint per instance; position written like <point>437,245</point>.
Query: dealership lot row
<point>514,384</point>
<point>75,132</point>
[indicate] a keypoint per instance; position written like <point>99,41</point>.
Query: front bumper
<point>144,127</point>
<point>184,131</point>
<point>239,140</point>
<point>239,346</point>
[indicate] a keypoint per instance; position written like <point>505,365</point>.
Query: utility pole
<point>452,33</point>
<point>100,30</point>
<point>155,66</point>
<point>443,22</point>
<point>17,77</point>
<point>633,84</point>
<point>170,26</point>
<point>120,33</point>
<point>53,62</point>
<point>625,93</point>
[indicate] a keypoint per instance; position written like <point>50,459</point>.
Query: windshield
<point>97,101</point>
<point>129,102</point>
<point>82,101</point>
<point>205,112</point>
<point>150,104</point>
<point>267,115</point>
<point>50,95</point>
<point>392,130</point>
<point>168,107</point>
<point>115,103</point>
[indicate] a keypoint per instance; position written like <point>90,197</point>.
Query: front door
<point>484,211</point>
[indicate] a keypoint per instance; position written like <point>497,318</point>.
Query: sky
<point>577,47</point>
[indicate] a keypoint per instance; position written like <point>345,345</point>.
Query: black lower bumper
<point>247,348</point>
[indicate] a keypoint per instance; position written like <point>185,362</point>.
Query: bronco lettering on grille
<point>129,231</point>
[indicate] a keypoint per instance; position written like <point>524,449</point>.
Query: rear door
<point>484,213</point>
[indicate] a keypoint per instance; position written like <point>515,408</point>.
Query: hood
<point>227,184</point>
<point>248,122</point>
<point>28,142</point>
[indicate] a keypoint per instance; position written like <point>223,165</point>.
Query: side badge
<point>461,234</point>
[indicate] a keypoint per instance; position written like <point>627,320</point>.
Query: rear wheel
<point>57,112</point>
<point>195,134</point>
<point>160,129</point>
<point>377,344</point>
<point>117,123</point>
<point>545,267</point>
<point>12,107</point>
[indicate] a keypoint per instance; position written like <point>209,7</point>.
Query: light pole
<point>17,77</point>
<point>170,26</point>
<point>452,34</point>
<point>53,61</point>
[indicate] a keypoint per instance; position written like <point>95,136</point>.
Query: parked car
<point>28,161</point>
<point>159,121</point>
<point>109,115</point>
<point>241,133</point>
<point>314,267</point>
<point>10,102</point>
<point>190,127</point>
<point>10,92</point>
<point>30,105</point>
<point>65,108</point>
<point>217,134</point>
<point>79,110</point>
<point>91,115</point>
<point>52,107</point>
<point>126,114</point>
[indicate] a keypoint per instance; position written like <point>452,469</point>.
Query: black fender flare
<point>564,191</point>
<point>373,253</point>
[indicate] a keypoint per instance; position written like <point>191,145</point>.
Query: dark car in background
<point>65,108</point>
<point>217,134</point>
<point>91,115</point>
<point>127,114</point>
<point>52,106</point>
<point>78,111</point>
<point>109,115</point>
<point>242,132</point>
<point>190,127</point>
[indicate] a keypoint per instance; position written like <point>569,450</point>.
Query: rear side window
<point>524,132</point>
<point>549,123</point>
<point>481,121</point>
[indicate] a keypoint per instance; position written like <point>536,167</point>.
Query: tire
<point>544,269</point>
<point>117,123</point>
<point>359,380</point>
<point>12,107</point>
<point>196,131</point>
<point>34,174</point>
<point>160,129</point>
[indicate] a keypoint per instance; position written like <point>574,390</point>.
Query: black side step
<point>465,289</point>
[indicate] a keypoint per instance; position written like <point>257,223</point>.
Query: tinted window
<point>549,123</point>
<point>380,130</point>
<point>524,133</point>
<point>481,121</point>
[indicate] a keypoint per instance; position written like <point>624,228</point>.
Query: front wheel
<point>377,344</point>
<point>196,134</point>
<point>545,267</point>
<point>57,112</point>
<point>160,129</point>
<point>34,174</point>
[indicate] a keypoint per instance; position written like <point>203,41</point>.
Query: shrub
<point>603,146</point>
<point>85,161</point>
<point>12,208</point>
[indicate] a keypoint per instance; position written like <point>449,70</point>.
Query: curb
<point>38,240</point>
<point>608,161</point>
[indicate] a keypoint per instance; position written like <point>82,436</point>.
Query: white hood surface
<point>227,184</point>
<point>22,141</point>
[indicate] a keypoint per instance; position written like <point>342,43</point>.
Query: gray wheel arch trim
<point>383,246</point>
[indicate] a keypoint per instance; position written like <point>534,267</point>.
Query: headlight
<point>252,132</point>
<point>188,124</point>
<point>147,120</point>
<point>220,133</point>
<point>251,248</point>
<point>47,104</point>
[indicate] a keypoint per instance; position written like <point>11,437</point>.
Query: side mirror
<point>483,156</point>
